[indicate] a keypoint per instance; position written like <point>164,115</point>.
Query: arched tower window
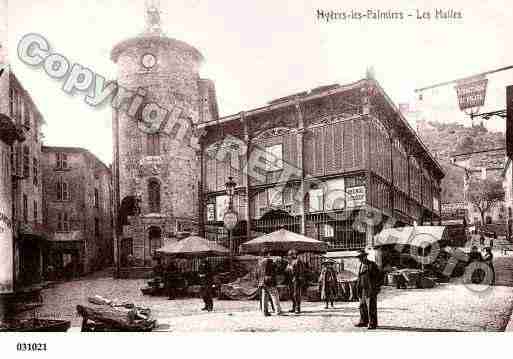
<point>153,144</point>
<point>154,195</point>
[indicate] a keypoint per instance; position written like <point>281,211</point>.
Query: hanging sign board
<point>471,92</point>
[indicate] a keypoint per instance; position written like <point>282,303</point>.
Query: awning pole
<point>422,262</point>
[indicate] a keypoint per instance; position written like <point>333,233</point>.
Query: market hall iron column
<point>300,148</point>
<point>247,141</point>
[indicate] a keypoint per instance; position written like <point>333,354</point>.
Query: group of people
<point>370,280</point>
<point>368,285</point>
<point>268,271</point>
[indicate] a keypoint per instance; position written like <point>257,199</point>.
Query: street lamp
<point>230,217</point>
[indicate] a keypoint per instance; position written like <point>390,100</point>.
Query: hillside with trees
<point>447,139</point>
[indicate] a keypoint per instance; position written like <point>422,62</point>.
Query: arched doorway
<point>155,239</point>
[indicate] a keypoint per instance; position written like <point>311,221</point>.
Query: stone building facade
<point>27,198</point>
<point>78,211</point>
<point>156,175</point>
<point>9,134</point>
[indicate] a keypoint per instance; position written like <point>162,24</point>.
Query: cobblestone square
<point>447,307</point>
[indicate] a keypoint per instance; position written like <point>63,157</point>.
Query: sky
<point>256,51</point>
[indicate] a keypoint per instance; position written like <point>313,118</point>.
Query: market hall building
<point>319,163</point>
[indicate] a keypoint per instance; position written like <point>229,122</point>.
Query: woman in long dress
<point>328,283</point>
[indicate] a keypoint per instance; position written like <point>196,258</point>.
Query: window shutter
<point>64,194</point>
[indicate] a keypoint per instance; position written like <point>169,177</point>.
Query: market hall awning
<point>193,246</point>
<point>417,236</point>
<point>282,241</point>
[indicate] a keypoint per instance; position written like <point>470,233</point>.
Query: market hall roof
<point>324,91</point>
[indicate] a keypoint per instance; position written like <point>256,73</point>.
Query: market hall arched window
<point>154,195</point>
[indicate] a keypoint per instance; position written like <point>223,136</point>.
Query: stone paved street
<point>447,307</point>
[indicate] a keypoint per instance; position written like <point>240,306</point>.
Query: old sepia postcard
<point>197,166</point>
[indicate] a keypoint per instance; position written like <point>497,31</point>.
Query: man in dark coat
<point>206,281</point>
<point>267,284</point>
<point>368,286</point>
<point>170,277</point>
<point>328,283</point>
<point>295,269</point>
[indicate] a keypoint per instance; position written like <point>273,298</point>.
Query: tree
<point>466,145</point>
<point>484,194</point>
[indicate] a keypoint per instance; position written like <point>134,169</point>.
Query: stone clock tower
<point>156,174</point>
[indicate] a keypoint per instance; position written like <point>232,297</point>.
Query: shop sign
<point>356,196</point>
<point>471,92</point>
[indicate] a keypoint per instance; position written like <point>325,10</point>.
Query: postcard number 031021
<point>31,347</point>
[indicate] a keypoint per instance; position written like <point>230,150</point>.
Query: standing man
<point>206,280</point>
<point>170,274</point>
<point>488,259</point>
<point>328,283</point>
<point>267,284</point>
<point>368,286</point>
<point>295,269</point>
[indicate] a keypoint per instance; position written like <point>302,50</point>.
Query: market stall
<point>409,254</point>
<point>278,243</point>
<point>188,249</point>
<point>281,241</point>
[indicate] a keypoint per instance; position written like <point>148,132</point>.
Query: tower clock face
<point>148,60</point>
